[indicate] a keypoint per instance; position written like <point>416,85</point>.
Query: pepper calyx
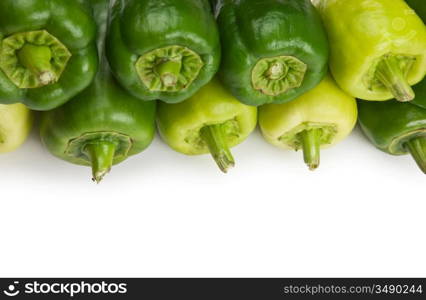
<point>390,73</point>
<point>398,144</point>
<point>33,59</point>
<point>417,149</point>
<point>274,76</point>
<point>309,137</point>
<point>169,69</point>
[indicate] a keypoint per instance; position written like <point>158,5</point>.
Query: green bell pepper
<point>47,51</point>
<point>377,47</point>
<point>318,119</point>
<point>273,51</point>
<point>420,89</point>
<point>395,128</point>
<point>163,49</point>
<point>210,121</point>
<point>103,125</point>
<point>15,126</point>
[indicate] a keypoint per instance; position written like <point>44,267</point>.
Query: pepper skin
<point>318,119</point>
<point>15,126</point>
<point>377,47</point>
<point>163,49</point>
<point>47,51</point>
<point>395,128</point>
<point>102,126</point>
<point>420,89</point>
<point>210,121</point>
<point>272,50</point>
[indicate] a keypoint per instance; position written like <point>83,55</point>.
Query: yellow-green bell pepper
<point>318,119</point>
<point>378,47</point>
<point>15,126</point>
<point>211,121</point>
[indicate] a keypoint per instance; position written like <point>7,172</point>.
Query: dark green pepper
<point>102,126</point>
<point>396,128</point>
<point>420,89</point>
<point>163,49</point>
<point>272,51</point>
<point>47,51</point>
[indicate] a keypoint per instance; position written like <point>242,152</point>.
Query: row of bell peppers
<point>96,67</point>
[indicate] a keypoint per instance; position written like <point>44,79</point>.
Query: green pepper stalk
<point>15,125</point>
<point>161,49</point>
<point>272,51</point>
<point>420,89</point>
<point>103,125</point>
<point>377,47</point>
<point>395,128</point>
<point>318,119</point>
<point>215,138</point>
<point>48,51</point>
<point>212,121</point>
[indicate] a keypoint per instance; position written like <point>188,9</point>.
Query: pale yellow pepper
<point>318,119</point>
<point>15,126</point>
<point>378,47</point>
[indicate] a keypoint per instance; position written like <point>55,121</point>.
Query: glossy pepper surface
<point>272,50</point>
<point>318,119</point>
<point>211,121</point>
<point>395,128</point>
<point>377,47</point>
<point>47,51</point>
<point>420,89</point>
<point>163,49</point>
<point>15,126</point>
<point>102,126</point>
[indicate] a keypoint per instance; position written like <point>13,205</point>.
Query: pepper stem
<point>37,59</point>
<point>277,70</point>
<point>101,155</point>
<point>390,74</point>
<point>215,139</point>
<point>274,76</point>
<point>417,148</point>
<point>169,71</point>
<point>311,143</point>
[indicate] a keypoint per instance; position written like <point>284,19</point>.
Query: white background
<point>164,214</point>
